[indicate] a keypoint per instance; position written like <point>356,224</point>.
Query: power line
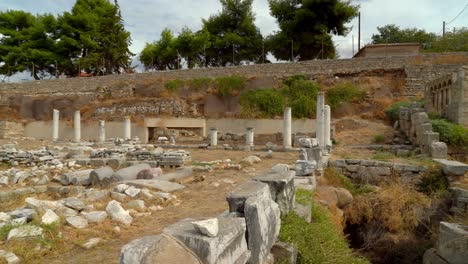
<point>458,14</point>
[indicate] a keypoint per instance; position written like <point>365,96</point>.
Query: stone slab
<point>165,186</point>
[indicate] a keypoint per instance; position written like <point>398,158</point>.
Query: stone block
<point>305,167</point>
<point>452,167</point>
<point>452,244</point>
<point>304,211</point>
<point>431,257</point>
<point>284,253</point>
<point>236,198</point>
<point>438,150</point>
<point>160,249</point>
<point>262,216</point>
<point>282,188</point>
<point>229,246</point>
<point>97,162</point>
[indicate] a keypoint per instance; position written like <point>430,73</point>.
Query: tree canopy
<point>91,37</point>
<point>430,42</point>
<point>306,27</point>
<point>393,34</point>
<point>233,35</point>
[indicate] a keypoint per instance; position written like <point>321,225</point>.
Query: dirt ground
<point>198,199</point>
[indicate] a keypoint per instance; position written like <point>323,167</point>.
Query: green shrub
<point>300,87</point>
<point>226,86</point>
<point>290,80</point>
<point>392,112</point>
<point>319,241</point>
<point>262,103</point>
<point>301,96</point>
<point>335,178</point>
<point>303,107</point>
<point>383,155</point>
<point>198,84</point>
<point>174,85</point>
<point>342,93</point>
<point>450,133</point>
<point>435,183</point>
<point>379,138</point>
<point>434,115</point>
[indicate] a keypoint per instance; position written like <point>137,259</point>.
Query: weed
<point>174,85</point>
<point>383,156</point>
<point>198,84</point>
<point>379,138</point>
<point>317,242</point>
<point>289,81</point>
<point>393,111</point>
<point>344,92</point>
<point>450,133</point>
<point>335,178</point>
<point>230,85</point>
<point>262,103</point>
<point>434,183</point>
<point>4,230</point>
<point>303,197</point>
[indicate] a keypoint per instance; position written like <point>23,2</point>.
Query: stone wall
<point>418,69</point>
<point>11,130</point>
<point>378,172</point>
<point>414,123</point>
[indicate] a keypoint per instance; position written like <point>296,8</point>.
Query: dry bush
<point>396,207</point>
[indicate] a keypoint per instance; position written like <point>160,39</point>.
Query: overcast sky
<point>145,19</point>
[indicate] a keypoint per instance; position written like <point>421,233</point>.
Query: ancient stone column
<point>77,126</point>
<point>287,127</point>
<point>102,131</point>
<point>249,137</point>
<point>55,124</point>
<point>327,131</point>
<point>127,128</point>
<point>213,137</point>
<point>320,119</point>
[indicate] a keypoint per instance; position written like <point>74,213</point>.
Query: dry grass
<point>396,215</point>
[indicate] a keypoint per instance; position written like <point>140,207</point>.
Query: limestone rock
<point>281,186</point>
<point>305,167</point>
<point>117,213</point>
<point>229,246</point>
<point>9,257</point>
<point>129,173</point>
<point>50,217</point>
<point>25,212</point>
<point>95,216</point>
<point>160,249</point>
<point>77,222</point>
<point>250,160</point>
<point>121,188</point>
<point>207,227</point>
<point>92,242</point>
<point>452,244</point>
<point>25,231</point>
<point>132,191</point>
<point>452,167</point>
<point>236,199</point>
<point>284,253</point>
<point>262,216</point>
<point>138,205</point>
<point>74,203</point>
<point>97,176</point>
<point>151,173</point>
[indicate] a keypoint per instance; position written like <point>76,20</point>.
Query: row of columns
<point>77,127</point>
<point>249,135</point>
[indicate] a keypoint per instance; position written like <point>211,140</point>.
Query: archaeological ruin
<point>119,169</point>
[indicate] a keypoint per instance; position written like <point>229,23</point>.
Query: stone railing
<point>377,172</point>
<point>415,124</point>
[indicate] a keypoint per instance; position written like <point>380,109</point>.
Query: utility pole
<point>359,32</point>
<point>352,55</point>
<point>322,48</point>
<point>204,51</point>
<point>443,29</point>
<point>292,50</point>
<point>263,51</point>
<point>233,63</point>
